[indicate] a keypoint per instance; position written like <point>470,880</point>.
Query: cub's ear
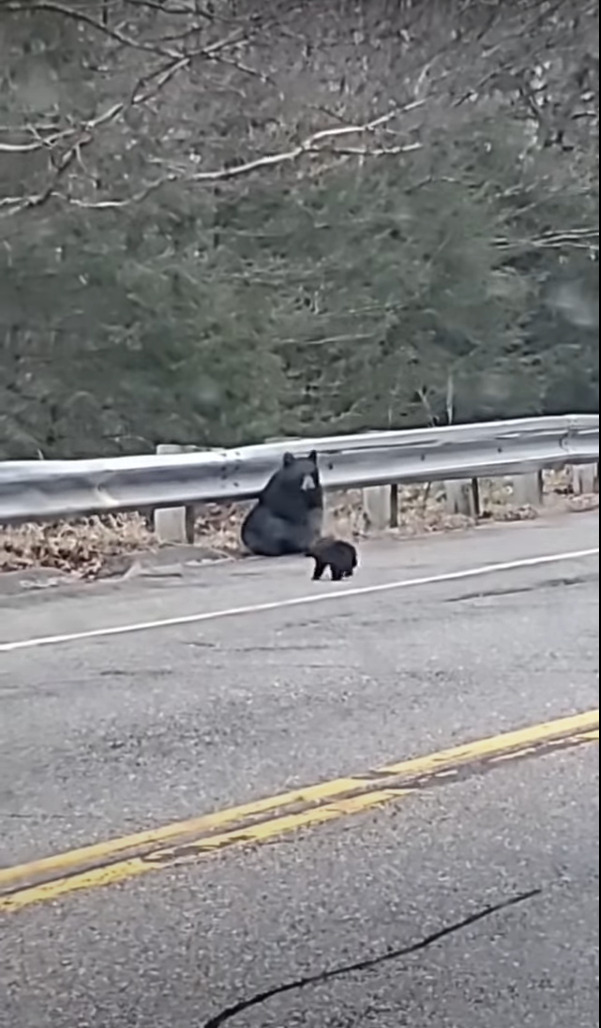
<point>288,459</point>
<point>313,456</point>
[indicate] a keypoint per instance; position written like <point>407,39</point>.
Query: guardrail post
<point>394,505</point>
<point>174,524</point>
<point>527,490</point>
<point>377,507</point>
<point>463,497</point>
<point>585,478</point>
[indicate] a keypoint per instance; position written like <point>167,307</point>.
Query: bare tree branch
<point>54,138</point>
<point>145,89</point>
<point>318,143</point>
<point>578,238</point>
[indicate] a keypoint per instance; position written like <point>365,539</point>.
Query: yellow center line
<point>116,860</point>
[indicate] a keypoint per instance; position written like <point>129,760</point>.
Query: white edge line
<point>298,601</point>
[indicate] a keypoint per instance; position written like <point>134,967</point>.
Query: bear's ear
<point>313,456</point>
<point>288,459</point>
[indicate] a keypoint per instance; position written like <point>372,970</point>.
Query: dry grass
<point>99,546</point>
<point>84,547</point>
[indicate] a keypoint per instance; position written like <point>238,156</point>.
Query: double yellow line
<point>117,860</point>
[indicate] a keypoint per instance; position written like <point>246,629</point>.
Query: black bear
<point>335,554</point>
<point>288,514</point>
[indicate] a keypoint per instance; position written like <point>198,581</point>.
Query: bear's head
<point>294,491</point>
<point>301,471</point>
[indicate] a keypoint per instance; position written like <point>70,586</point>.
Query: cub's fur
<point>340,557</point>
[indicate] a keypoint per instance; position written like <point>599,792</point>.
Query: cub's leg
<point>318,570</point>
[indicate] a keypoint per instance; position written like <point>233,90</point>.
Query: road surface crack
<point>368,963</point>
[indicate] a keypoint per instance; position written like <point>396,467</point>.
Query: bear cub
<point>339,556</point>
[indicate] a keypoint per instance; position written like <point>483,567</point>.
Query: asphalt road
<point>102,736</point>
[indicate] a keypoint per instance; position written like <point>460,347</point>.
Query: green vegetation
<point>443,265</point>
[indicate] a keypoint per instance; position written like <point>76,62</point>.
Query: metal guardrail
<point>48,489</point>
